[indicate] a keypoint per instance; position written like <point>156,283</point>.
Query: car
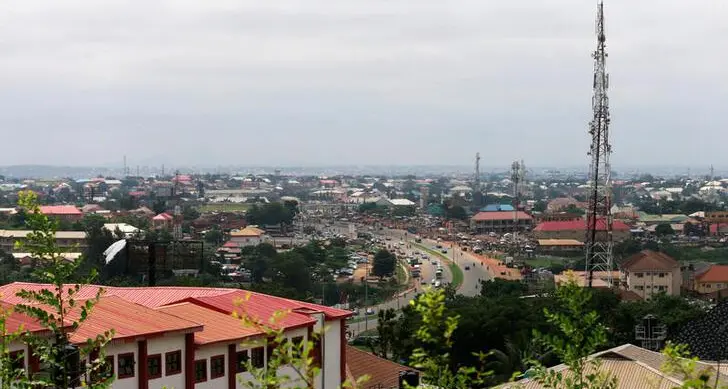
<point>444,251</point>
<point>434,262</point>
<point>423,282</point>
<point>369,311</point>
<point>467,267</point>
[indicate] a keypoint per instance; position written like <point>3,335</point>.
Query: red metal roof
<point>128,320</point>
<point>59,210</point>
<point>260,307</point>
<point>19,322</point>
<point>163,216</point>
<point>578,225</point>
<point>716,273</point>
<point>218,327</point>
<point>500,215</point>
<point>224,298</point>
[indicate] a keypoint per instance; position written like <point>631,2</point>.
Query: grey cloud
<point>398,81</point>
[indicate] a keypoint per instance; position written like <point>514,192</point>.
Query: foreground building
<point>634,368</point>
<point>178,337</point>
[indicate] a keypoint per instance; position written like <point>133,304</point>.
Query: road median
<point>455,270</point>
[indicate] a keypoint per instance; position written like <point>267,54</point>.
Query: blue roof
<point>497,207</point>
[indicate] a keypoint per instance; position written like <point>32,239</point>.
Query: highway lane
<point>427,269</point>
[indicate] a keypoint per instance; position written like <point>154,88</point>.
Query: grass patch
<point>224,207</point>
<point>457,272</point>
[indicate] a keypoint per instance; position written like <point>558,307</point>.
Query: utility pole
<point>599,240</point>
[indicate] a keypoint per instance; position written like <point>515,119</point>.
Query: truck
<point>415,272</point>
<point>438,274</point>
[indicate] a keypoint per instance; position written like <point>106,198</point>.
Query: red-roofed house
<point>501,221</point>
<point>184,337</point>
<point>713,279</point>
<point>163,220</point>
<point>576,229</point>
<point>63,212</point>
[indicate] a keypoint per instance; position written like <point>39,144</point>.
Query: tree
<point>664,229</point>
<point>579,333</point>
<point>384,263</point>
<point>56,308</point>
<point>214,236</point>
<point>499,287</point>
<point>540,206</point>
<point>456,212</point>
<point>190,213</point>
<point>434,336</point>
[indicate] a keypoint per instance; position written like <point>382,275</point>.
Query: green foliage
<point>664,229</point>
<point>499,287</point>
<point>270,214</point>
<point>56,308</point>
<point>434,337</point>
<point>8,374</point>
<point>298,357</point>
<point>214,236</point>
<point>384,263</point>
<point>679,363</point>
<point>579,334</point>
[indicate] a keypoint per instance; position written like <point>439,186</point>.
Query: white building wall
<point>206,352</point>
<point>123,348</point>
<point>247,240</point>
<point>161,346</point>
<point>332,354</point>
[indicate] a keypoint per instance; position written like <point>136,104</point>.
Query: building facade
<point>715,278</point>
<point>66,240</point>
<point>188,338</point>
<point>648,273</point>
<point>501,222</point>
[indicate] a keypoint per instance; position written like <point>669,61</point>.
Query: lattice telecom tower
<point>599,215</point>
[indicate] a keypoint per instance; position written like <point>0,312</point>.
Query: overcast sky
<point>320,82</point>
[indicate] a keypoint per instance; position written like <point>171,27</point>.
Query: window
<point>638,275</point>
<point>154,366</point>
<point>661,275</point>
<point>257,356</point>
<point>241,358</point>
<point>296,347</point>
<point>126,365</point>
<point>639,287</point>
<point>173,362</point>
<point>17,360</point>
<point>662,288</point>
<point>201,370</point>
<point>105,372</point>
<point>217,366</point>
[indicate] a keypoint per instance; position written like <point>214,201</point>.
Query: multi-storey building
<point>178,337</point>
<point>66,240</point>
<point>649,272</point>
<point>712,280</point>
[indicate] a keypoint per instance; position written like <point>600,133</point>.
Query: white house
<point>180,337</point>
<point>248,236</point>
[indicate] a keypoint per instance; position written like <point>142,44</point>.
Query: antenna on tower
<point>126,170</point>
<point>477,172</point>
<point>516,175</point>
<point>599,240</point>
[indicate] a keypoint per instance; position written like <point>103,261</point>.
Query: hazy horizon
<point>321,83</point>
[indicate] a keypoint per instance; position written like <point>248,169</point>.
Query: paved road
<point>427,275</point>
<point>471,278</point>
